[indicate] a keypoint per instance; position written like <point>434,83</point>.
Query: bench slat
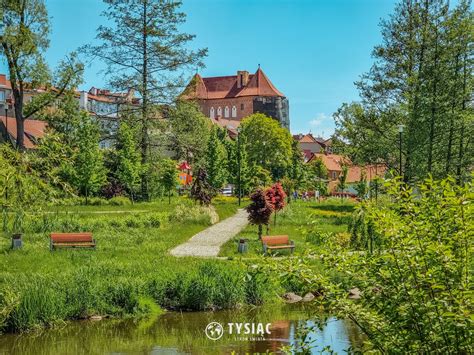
<point>71,237</point>
<point>276,240</point>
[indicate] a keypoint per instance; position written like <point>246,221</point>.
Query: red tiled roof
<point>332,162</point>
<point>33,128</point>
<point>221,87</point>
<point>371,171</point>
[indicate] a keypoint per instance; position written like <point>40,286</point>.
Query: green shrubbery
<point>416,282</point>
<point>35,301</point>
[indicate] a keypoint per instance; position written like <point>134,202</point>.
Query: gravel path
<point>207,243</point>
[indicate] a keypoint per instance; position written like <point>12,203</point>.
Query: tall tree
<point>24,32</point>
<point>89,174</point>
<point>215,161</point>
<point>187,133</point>
<point>268,145</point>
<point>145,51</point>
<point>129,165</point>
<point>422,78</point>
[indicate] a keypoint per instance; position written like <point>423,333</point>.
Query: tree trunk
<point>144,93</point>
<point>260,231</point>
<point>275,218</point>
<point>433,108</point>
<point>169,197</point>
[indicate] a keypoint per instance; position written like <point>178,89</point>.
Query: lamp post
<point>400,131</point>
<point>6,121</point>
<point>239,173</point>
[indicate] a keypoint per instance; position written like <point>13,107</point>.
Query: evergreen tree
<point>129,165</point>
<point>144,51</point>
<point>215,161</point>
<point>361,187</point>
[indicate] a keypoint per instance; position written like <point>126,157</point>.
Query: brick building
<point>229,99</point>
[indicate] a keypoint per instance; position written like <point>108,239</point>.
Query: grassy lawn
<point>299,220</point>
<point>131,273</point>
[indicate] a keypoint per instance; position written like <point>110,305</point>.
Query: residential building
<point>229,99</point>
<point>102,104</point>
<point>334,163</point>
<point>311,145</point>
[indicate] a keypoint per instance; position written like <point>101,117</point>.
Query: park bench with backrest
<point>276,242</point>
<point>72,240</point>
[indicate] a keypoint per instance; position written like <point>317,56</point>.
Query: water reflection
<point>182,333</point>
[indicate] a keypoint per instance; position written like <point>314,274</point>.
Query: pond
<point>184,333</point>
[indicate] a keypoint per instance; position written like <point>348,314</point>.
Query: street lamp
<point>239,173</point>
<point>6,121</point>
<point>400,131</point>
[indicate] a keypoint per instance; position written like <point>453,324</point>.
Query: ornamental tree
<point>276,197</point>
<point>201,190</point>
<point>259,210</point>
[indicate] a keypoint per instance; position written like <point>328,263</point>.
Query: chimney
<point>83,100</point>
<point>93,91</point>
<point>242,78</point>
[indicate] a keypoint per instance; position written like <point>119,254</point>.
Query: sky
<point>312,50</point>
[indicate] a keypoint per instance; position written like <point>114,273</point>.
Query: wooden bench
<point>276,242</point>
<point>71,240</point>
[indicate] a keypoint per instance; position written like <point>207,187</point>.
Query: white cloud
<point>319,119</point>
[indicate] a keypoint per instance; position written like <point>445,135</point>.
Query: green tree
<point>215,161</point>
<point>89,174</point>
<point>422,78</point>
<point>168,174</point>
<point>342,178</point>
<point>267,144</point>
<point>24,32</point>
<point>129,167</point>
<point>188,133</point>
<point>145,51</point>
<point>361,187</point>
<point>318,175</point>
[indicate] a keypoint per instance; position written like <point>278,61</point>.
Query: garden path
<point>207,243</point>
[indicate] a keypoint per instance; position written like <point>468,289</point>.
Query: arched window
<point>212,113</point>
<point>226,111</point>
<point>219,112</point>
<point>234,111</point>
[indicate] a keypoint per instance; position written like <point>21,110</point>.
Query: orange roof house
<point>334,163</point>
<point>229,99</point>
<point>34,130</point>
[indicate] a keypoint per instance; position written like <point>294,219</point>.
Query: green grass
<point>130,267</point>
<point>300,220</point>
<point>131,272</point>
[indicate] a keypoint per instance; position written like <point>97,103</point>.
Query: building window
<point>242,106</point>
<point>334,175</point>
<point>219,112</point>
<point>212,113</point>
<point>226,111</point>
<point>2,96</point>
<point>234,111</point>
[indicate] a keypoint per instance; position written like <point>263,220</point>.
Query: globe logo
<point>214,331</point>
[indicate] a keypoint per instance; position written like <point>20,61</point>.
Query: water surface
<point>183,333</point>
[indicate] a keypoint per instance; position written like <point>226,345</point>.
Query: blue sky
<point>312,50</point>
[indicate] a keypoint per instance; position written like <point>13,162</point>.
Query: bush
<point>415,288</point>
<point>119,201</point>
<point>206,215</point>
